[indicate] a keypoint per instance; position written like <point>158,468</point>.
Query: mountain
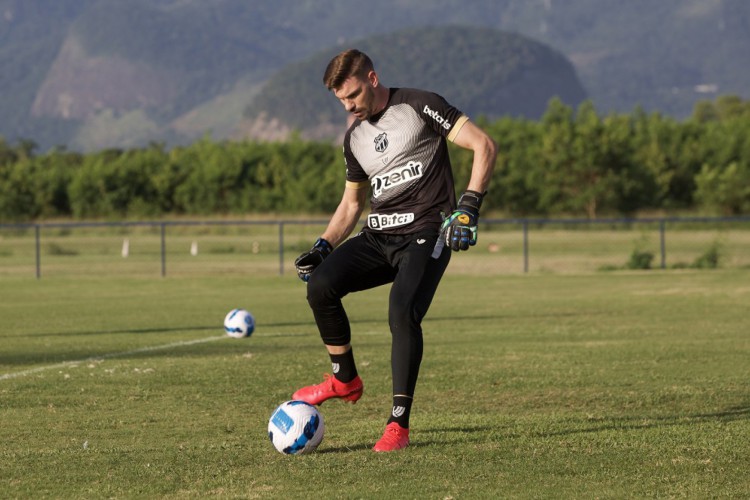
<point>116,73</point>
<point>482,71</point>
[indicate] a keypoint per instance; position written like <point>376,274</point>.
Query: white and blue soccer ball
<point>296,428</point>
<point>239,323</point>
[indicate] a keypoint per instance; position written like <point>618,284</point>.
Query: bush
<point>640,259</point>
<point>710,259</point>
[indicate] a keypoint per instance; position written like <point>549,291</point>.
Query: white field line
<point>31,371</point>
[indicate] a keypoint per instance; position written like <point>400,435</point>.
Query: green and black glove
<point>308,261</point>
<point>460,228</point>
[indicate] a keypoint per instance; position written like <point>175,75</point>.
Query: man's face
<point>358,97</point>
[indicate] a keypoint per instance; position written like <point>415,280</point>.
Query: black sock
<point>401,410</point>
<point>343,366</point>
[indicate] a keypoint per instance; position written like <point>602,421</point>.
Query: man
<point>397,146</point>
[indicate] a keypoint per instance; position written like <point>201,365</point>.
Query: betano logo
<point>436,116</point>
<point>380,183</point>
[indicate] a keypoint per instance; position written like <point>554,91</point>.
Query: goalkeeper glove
<point>460,228</point>
<point>308,261</point>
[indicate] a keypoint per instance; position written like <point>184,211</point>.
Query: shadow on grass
<point>307,323</point>
<point>74,351</point>
<point>426,437</point>
<point>345,449</point>
<point>77,352</point>
<point>731,414</point>
<point>444,436</point>
<point>130,331</point>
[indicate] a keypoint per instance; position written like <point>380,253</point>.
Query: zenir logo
<point>409,172</point>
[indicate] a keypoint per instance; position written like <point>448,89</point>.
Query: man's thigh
<point>419,273</point>
<point>357,264</point>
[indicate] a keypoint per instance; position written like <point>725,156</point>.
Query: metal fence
<point>264,246</point>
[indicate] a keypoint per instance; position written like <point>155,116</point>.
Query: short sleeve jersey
<point>402,154</point>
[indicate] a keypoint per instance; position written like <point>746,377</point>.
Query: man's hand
<point>460,228</point>
<point>308,261</point>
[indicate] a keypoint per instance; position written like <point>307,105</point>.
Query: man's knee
<point>320,290</point>
<point>328,310</point>
<point>404,318</point>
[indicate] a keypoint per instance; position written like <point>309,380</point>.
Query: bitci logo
<point>384,221</point>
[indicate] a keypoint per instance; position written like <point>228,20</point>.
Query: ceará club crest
<point>381,143</point>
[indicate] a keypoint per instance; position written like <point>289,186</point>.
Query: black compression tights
<point>367,261</point>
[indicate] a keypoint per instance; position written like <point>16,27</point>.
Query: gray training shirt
<point>402,154</point>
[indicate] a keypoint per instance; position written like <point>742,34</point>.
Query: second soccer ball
<point>239,323</point>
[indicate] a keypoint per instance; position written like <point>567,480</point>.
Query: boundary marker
<point>23,373</point>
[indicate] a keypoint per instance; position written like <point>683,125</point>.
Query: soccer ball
<point>296,428</point>
<point>239,323</point>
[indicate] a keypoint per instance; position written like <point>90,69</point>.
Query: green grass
<point>608,385</point>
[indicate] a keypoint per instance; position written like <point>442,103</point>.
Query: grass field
<point>603,385</point>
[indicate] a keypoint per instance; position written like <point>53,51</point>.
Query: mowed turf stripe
<point>38,369</point>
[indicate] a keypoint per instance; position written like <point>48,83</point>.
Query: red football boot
<point>331,388</point>
<point>394,438</point>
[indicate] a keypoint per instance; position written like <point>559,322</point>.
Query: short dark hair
<point>348,63</point>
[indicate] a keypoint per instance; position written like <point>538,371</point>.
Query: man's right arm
<point>347,214</point>
<point>339,228</point>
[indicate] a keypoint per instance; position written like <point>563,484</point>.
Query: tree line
<point>570,162</point>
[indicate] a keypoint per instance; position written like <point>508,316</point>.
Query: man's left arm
<point>460,228</point>
<point>469,136</point>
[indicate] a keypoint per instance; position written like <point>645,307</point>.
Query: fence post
<point>38,252</point>
<point>525,246</point>
<point>163,250</point>
<point>663,245</point>
<point>281,248</point>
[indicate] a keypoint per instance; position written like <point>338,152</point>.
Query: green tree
<point>557,156</point>
<point>726,189</point>
<point>518,181</point>
<point>52,174</point>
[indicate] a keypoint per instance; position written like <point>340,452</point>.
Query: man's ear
<point>372,77</point>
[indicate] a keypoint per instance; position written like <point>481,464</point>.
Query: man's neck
<point>382,94</point>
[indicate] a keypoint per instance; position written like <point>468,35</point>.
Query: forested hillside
<point>482,71</point>
<point>90,74</point>
<point>568,163</point>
